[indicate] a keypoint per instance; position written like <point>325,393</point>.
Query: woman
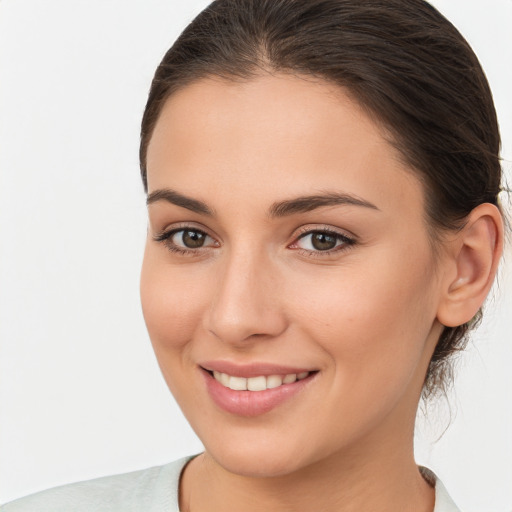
<point>323,230</point>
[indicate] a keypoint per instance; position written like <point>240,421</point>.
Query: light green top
<point>149,490</point>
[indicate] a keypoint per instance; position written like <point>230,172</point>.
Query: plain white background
<point>81,395</point>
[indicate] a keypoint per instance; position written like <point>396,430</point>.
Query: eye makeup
<point>318,241</point>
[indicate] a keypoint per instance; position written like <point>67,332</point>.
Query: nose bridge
<point>244,303</point>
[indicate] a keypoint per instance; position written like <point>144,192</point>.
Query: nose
<point>246,304</point>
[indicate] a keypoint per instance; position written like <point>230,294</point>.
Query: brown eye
<point>186,240</point>
<point>322,241</point>
<point>190,239</point>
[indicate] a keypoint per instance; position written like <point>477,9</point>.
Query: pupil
<point>193,239</point>
<point>323,242</point>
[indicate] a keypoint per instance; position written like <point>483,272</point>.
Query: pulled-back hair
<point>401,60</point>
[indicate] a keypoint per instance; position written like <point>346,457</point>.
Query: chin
<point>256,466</point>
<point>259,460</point>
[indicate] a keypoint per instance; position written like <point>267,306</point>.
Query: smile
<point>259,383</point>
<point>251,390</point>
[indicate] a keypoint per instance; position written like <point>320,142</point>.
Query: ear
<point>473,260</point>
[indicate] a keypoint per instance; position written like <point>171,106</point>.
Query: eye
<point>189,239</point>
<point>318,241</point>
<point>185,240</point>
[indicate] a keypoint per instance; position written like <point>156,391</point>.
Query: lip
<point>252,403</point>
<point>253,369</point>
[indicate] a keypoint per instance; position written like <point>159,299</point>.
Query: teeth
<point>257,383</point>
<point>224,379</point>
<point>237,383</point>
<point>274,381</point>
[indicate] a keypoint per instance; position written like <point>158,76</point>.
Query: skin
<point>365,315</point>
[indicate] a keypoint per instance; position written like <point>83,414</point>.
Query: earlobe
<point>475,256</point>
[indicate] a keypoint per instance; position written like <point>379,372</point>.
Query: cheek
<point>172,303</point>
<point>372,320</point>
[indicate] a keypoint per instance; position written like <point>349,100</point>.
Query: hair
<point>401,60</point>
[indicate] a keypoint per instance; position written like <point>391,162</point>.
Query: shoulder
<point>444,502</point>
<point>154,489</point>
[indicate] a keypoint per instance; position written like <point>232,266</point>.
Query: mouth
<point>255,389</point>
<point>258,383</point>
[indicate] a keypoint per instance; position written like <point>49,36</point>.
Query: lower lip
<point>252,403</point>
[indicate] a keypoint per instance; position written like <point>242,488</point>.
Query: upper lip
<point>255,369</point>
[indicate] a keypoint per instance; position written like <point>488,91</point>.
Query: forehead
<point>275,135</point>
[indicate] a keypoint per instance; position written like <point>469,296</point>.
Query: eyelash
<point>346,241</point>
<point>166,236</point>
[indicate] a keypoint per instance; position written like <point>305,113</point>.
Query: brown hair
<point>405,63</point>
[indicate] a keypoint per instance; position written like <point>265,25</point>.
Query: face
<point>287,252</point>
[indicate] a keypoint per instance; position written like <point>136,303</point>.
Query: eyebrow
<point>307,203</point>
<point>284,208</point>
<point>173,197</point>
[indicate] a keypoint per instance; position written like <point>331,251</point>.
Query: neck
<point>378,477</point>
